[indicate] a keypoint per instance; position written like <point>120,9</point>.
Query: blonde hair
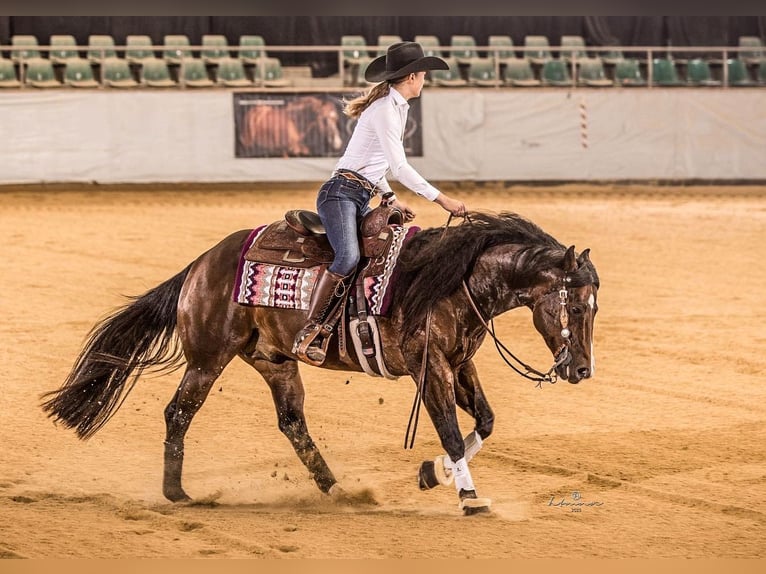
<point>353,108</point>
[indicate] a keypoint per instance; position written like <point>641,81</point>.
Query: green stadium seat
<point>25,47</point>
<point>63,47</point>
<point>354,49</point>
<point>575,48</point>
<point>762,73</point>
<point>138,48</point>
<point>175,48</point>
<point>430,44</point>
<point>698,73</point>
<point>519,73</point>
<point>79,74</point>
<point>39,74</point>
<point>115,73</point>
<point>270,73</point>
<point>214,48</point>
<point>627,73</point>
<point>463,49</point>
<point>100,46</point>
<point>155,73</point>
<point>556,73</point>
<point>231,73</point>
<point>539,51</point>
<point>448,78</point>
<point>481,72</point>
<point>590,73</point>
<point>504,45</point>
<point>664,73</point>
<point>194,74</point>
<point>8,77</point>
<point>612,57</point>
<point>738,74</point>
<point>251,48</point>
<point>754,53</point>
<point>386,40</point>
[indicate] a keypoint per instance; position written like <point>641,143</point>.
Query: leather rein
<point>550,376</point>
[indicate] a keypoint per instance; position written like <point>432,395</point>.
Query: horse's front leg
<point>440,401</point>
<point>470,397</point>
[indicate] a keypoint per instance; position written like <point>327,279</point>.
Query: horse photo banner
<point>304,125</point>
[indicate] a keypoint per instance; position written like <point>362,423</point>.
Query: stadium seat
<point>590,73</point>
<point>698,73</point>
<point>540,49</point>
<point>194,74</point>
<point>39,74</point>
<point>155,73</point>
<point>463,49</point>
<point>448,78</point>
<point>175,48</point>
<point>612,57</point>
<point>79,74</point>
<point>754,54</point>
<point>664,73</point>
<point>8,77</point>
<point>354,49</point>
<point>627,73</point>
<point>63,47</point>
<point>138,48</point>
<point>231,73</point>
<point>25,47</point>
<point>100,46</point>
<point>214,48</point>
<point>576,48</point>
<point>270,73</point>
<point>386,40</point>
<point>762,73</point>
<point>115,73</point>
<point>482,72</point>
<point>504,45</point>
<point>430,44</point>
<point>738,74</point>
<point>556,73</point>
<point>251,48</point>
<point>519,73</point>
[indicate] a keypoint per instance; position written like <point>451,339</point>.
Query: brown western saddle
<point>299,241</point>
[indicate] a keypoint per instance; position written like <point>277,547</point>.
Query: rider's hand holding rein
<point>454,206</point>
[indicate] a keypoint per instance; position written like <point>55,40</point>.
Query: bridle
<point>561,356</point>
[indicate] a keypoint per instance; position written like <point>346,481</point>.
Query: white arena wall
<point>110,136</point>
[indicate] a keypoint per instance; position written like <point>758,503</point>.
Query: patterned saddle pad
<point>285,287</point>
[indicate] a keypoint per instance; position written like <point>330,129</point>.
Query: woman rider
<point>376,145</point>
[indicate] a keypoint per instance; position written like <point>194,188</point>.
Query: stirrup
<point>307,351</point>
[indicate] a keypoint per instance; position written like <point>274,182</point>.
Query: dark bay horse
<point>453,280</point>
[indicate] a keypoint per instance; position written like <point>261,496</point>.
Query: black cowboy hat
<point>401,59</point>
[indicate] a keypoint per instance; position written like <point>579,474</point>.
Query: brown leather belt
<point>357,178</point>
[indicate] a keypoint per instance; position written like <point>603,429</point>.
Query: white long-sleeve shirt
<point>377,145</point>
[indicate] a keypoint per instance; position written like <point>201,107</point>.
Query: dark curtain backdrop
<point>675,31</point>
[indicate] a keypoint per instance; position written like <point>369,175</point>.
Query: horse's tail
<point>119,348</point>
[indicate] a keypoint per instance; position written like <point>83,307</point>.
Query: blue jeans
<point>341,204</point>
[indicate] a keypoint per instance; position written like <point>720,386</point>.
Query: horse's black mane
<point>434,263</point>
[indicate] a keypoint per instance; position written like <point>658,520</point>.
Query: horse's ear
<point>584,257</point>
<point>570,260</point>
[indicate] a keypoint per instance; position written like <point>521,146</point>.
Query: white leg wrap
<point>462,475</point>
<point>473,444</point>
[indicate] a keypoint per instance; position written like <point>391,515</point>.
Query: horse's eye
<point>577,310</point>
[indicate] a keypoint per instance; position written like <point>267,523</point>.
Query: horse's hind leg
<point>286,386</point>
<point>188,399</point>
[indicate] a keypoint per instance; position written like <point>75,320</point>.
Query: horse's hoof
<point>427,476</point>
<point>470,504</point>
<point>177,496</point>
<point>337,493</point>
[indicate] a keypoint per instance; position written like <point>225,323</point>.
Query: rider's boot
<point>308,345</point>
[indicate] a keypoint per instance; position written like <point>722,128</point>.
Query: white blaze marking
<point>591,301</point>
